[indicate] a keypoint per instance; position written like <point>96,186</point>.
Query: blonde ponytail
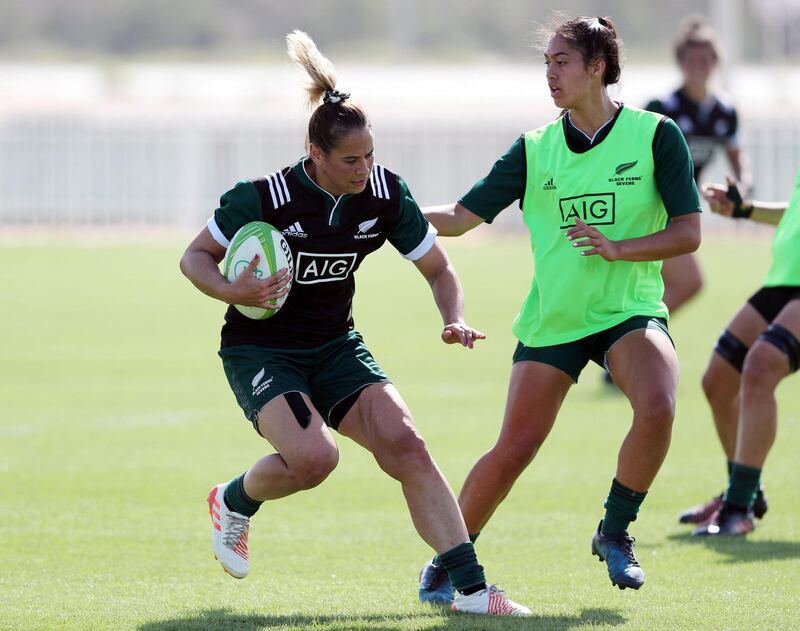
<point>304,53</point>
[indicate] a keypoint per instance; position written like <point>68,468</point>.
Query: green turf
<point>115,421</point>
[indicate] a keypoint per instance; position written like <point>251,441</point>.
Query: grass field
<point>115,421</point>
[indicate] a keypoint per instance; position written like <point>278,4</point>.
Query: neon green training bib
<point>785,268</point>
<point>612,187</point>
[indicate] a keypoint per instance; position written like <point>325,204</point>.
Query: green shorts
<point>330,375</point>
<point>572,357</point>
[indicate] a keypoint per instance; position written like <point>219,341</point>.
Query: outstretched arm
<point>437,269</point>
<point>451,220</point>
<point>728,202</point>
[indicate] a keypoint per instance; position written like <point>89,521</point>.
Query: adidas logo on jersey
<point>548,185</point>
<point>364,226</point>
<point>295,230</point>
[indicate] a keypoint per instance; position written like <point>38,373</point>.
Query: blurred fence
<point>170,171</point>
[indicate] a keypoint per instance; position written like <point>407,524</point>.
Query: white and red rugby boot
<point>491,601</point>
<point>229,534</point>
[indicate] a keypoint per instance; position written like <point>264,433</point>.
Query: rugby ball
<point>258,237</point>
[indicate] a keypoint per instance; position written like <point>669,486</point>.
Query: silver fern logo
<point>625,166</point>
<point>258,377</point>
<point>364,226</point>
<point>258,385</point>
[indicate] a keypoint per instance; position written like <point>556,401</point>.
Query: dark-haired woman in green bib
<point>607,193</point>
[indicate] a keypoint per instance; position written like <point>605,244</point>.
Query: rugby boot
<point>434,585</point>
<point>491,601</point>
<point>617,551</point>
<point>727,521</point>
<point>760,504</point>
<point>229,534</point>
<point>701,513</point>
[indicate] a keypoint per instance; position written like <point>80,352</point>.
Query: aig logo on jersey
<point>323,268</point>
<point>594,209</point>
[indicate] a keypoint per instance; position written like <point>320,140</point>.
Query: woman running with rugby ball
<point>305,371</point>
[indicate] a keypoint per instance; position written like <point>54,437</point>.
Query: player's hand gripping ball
<point>262,239</point>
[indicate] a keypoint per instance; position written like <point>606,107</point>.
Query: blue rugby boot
<point>617,552</point>
<point>435,586</point>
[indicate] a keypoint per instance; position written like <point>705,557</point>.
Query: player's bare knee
<point>405,454</point>
<point>764,367</point>
<point>655,411</point>
<point>312,471</point>
<point>717,387</point>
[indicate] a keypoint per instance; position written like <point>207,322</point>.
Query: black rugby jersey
<point>329,238</point>
<point>706,125</point>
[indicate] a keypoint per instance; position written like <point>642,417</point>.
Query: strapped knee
<point>785,341</point>
<point>731,349</point>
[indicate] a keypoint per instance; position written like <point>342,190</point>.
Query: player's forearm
<point>448,295</point>
<point>451,220</point>
<point>443,218</point>
<point>679,237</point>
<point>201,268</point>
<point>767,212</point>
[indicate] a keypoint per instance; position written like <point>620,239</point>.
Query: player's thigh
<point>380,420</point>
<point>649,352</point>
<point>747,324</point>
<point>342,370</point>
<point>789,318</point>
<point>723,372</point>
<point>682,270</point>
<point>777,352</point>
<point>271,387</point>
<point>296,430</point>
<point>536,390</point>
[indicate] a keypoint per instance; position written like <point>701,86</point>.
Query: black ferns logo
<point>625,166</point>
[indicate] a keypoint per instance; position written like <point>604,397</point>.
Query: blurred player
<point>597,187</point>
<point>305,371</point>
<point>708,122</point>
<point>759,348</point>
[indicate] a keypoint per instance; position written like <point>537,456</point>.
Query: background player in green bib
<point>759,348</point>
<point>709,122</point>
<point>597,187</point>
<point>305,370</point>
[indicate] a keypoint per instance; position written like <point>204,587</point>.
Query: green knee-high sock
<point>621,507</point>
<point>461,563</point>
<point>743,486</point>
<point>238,501</point>
<point>437,560</point>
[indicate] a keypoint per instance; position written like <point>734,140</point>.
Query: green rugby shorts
<point>329,374</point>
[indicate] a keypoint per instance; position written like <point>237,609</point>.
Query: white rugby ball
<point>258,237</point>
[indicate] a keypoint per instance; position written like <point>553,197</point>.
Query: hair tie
<point>334,96</point>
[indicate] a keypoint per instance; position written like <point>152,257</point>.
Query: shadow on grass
<point>742,550</point>
<point>229,620</point>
